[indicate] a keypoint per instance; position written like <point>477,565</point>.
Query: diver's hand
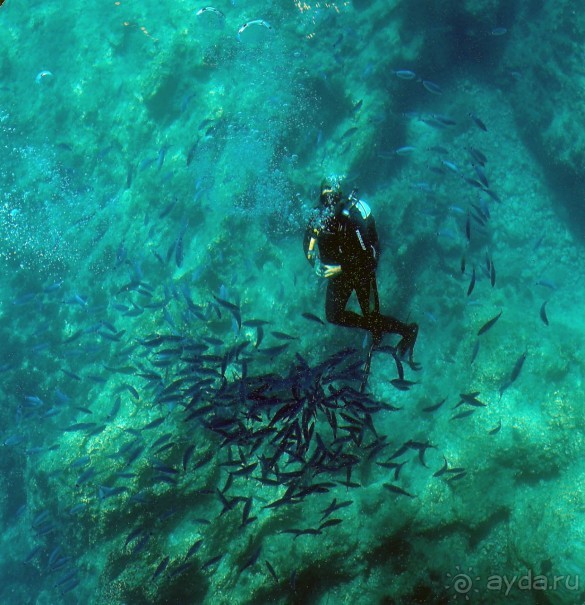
<point>331,270</point>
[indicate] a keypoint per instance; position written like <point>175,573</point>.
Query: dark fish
<point>283,336</point>
<point>167,209</point>
<point>271,571</point>
<point>469,396</point>
<point>165,469</point>
<point>395,466</point>
<point>518,367</point>
<point>84,410</point>
<point>543,313</point>
<point>471,282</point>
<point>83,461</point>
<point>477,156</point>
<point>401,384</point>
<point>66,578</point>
<point>470,399</point>
<point>170,250</point>
<point>492,273</point>
<point>132,390</point>
<point>489,324</point>
<point>252,560</point>
<point>496,429</point>
<point>73,337</point>
<point>435,407</point>
<point>442,470</point>
<point>71,374</point>
<point>478,122</point>
<point>439,149</point>
<point>468,227</point>
<point>255,323</point>
<point>187,456</point>
<point>455,470</point>
<point>493,195</point>
<point>422,448</point>
<point>133,535</point>
<point>463,263</point>
<point>211,562</point>
<point>481,175</point>
<point>463,414</point>
<point>153,424</point>
<point>204,460</point>
<point>273,351</point>
<point>69,586</point>
<point>164,479</point>
<point>161,567</point>
<point>538,242</point>
<point>312,317</point>
<point>246,512</point>
<point>232,308</point>
<point>474,352</point>
<point>397,490</point>
<point>191,152</point>
<point>457,477</point>
<point>160,160</point>
<point>546,283</point>
<point>179,251</point>
<point>446,120</point>
<point>401,450</point>
<point>105,491</point>
<point>40,518</point>
<point>146,163</point>
<point>129,176</point>
<point>85,476</point>
<point>228,305</point>
<point>245,470</point>
<point>333,507</point>
<point>348,133</point>
<point>80,426</point>
<point>330,523</point>
<point>259,336</point>
<point>194,548</point>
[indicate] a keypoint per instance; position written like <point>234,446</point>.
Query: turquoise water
<point>173,428</point>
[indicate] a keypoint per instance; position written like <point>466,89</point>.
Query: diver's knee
<point>333,318</point>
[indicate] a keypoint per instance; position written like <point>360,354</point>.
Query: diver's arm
<point>373,239</point>
<point>311,247</point>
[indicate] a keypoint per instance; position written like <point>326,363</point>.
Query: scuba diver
<point>345,233</point>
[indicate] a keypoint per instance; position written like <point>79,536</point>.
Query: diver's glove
<point>320,268</point>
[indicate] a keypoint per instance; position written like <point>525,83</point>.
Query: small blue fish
<point>432,87</point>
<point>406,150</point>
<point>404,74</point>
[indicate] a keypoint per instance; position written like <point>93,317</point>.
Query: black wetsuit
<point>350,240</point>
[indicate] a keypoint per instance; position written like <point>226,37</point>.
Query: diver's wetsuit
<point>350,239</point>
